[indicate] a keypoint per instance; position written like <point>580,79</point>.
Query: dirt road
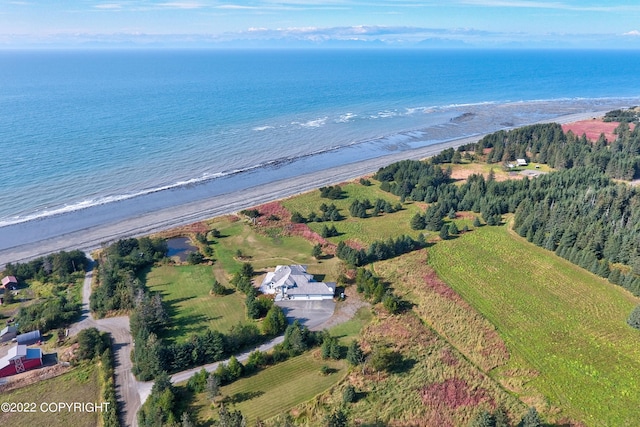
<point>128,389</point>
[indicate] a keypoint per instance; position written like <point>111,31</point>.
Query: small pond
<point>180,247</point>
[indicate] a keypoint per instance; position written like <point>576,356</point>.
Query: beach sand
<point>93,237</point>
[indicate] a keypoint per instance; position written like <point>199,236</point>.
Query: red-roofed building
<point>20,359</point>
<point>10,283</point>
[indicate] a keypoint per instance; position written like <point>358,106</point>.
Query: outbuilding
<point>10,283</point>
<point>20,359</point>
<point>29,338</point>
<point>8,333</point>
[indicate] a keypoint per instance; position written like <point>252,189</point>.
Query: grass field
<point>301,374</point>
<point>444,310</point>
<point>563,325</point>
<point>433,385</point>
<point>80,385</point>
<point>364,231</point>
<point>185,293</point>
<point>263,251</point>
<point>275,389</point>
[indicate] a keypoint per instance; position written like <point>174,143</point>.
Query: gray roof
<point>8,330</point>
<point>28,337</point>
<point>296,281</point>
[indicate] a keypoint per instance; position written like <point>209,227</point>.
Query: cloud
<point>633,33</point>
<point>181,5</point>
<point>108,6</point>
<point>549,5</point>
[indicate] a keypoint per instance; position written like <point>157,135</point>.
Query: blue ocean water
<point>82,128</point>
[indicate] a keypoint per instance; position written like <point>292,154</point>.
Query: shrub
<point>349,394</point>
<point>634,318</point>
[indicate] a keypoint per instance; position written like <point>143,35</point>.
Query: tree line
<point>548,144</point>
<point>118,270</point>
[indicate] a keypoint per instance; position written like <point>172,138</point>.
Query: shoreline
<point>108,230</point>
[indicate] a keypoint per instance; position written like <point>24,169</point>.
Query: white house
<point>292,282</point>
<point>521,162</point>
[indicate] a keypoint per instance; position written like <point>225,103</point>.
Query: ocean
<point>82,129</point>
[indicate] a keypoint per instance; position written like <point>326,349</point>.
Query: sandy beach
<point>59,233</point>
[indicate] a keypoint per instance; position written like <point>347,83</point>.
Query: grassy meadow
<point>185,294</point>
<point>565,327</point>
<point>432,385</point>
<point>264,249</point>
<point>264,394</point>
<point>362,231</point>
<point>80,385</point>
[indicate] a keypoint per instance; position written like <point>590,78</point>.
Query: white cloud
<point>109,6</point>
<point>181,5</point>
<point>549,5</point>
<point>633,33</point>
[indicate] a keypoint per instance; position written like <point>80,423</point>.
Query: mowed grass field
<point>263,251</point>
<point>80,385</point>
<point>364,231</point>
<point>265,392</point>
<point>276,389</point>
<point>185,293</point>
<point>562,321</point>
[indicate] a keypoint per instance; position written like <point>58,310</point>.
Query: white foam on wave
<point>386,114</point>
<point>262,128</point>
<point>345,118</point>
<point>88,203</point>
<point>312,123</point>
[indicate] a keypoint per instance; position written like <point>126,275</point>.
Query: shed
<point>20,359</point>
<point>28,338</point>
<point>10,283</point>
<point>8,333</point>
<point>521,162</point>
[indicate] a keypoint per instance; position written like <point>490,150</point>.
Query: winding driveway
<point>131,393</point>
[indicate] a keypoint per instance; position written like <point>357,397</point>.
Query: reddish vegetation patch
<point>447,356</point>
<point>438,286</point>
<point>453,393</point>
<point>354,244</point>
<point>305,232</point>
<point>593,128</point>
<point>273,209</point>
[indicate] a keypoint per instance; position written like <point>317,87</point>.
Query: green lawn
<point>263,251</point>
<point>366,230</point>
<point>276,389</point>
<point>80,385</point>
<point>560,320</point>
<point>185,292</point>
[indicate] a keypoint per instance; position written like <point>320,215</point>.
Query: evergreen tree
<point>476,222</point>
<point>316,252</point>
<point>634,318</point>
<point>444,232</point>
<point>349,394</point>
<point>417,222</point>
<point>453,229</point>
<point>531,419</point>
<point>483,419</point>
<point>212,387</point>
<point>355,355</point>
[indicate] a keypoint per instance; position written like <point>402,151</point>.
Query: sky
<point>403,23</point>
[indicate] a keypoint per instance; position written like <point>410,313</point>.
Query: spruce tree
<point>531,419</point>
<point>444,232</point>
